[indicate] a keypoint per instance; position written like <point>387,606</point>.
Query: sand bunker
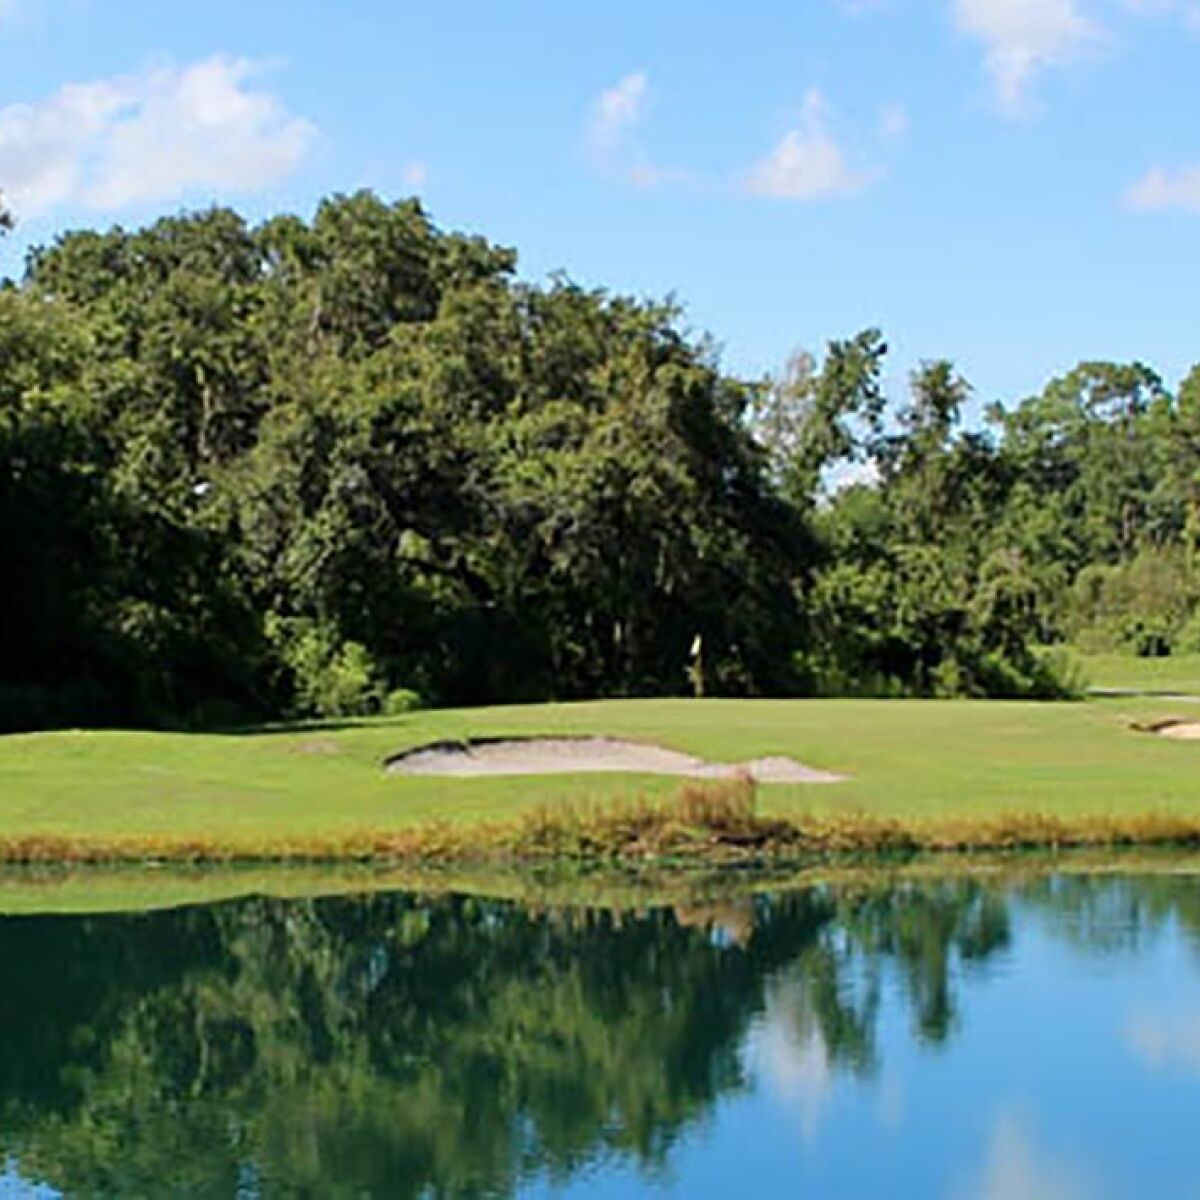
<point>1178,730</point>
<point>573,756</point>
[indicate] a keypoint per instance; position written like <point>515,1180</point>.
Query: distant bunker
<point>1180,729</point>
<point>489,757</point>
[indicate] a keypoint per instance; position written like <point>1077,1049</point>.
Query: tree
<point>287,469</point>
<point>813,420</point>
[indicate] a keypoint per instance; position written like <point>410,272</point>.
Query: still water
<point>947,1038</point>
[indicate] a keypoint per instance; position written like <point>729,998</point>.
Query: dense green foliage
<point>300,467</point>
<point>354,464</point>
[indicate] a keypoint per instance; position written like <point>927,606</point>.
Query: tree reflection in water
<point>404,1045</point>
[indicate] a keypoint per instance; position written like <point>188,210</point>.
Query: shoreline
<point>714,826</point>
<point>56,889</point>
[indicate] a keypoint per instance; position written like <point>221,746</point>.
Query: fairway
<point>1178,673</point>
<point>907,759</point>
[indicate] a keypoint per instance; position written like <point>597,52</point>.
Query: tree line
<point>354,464</point>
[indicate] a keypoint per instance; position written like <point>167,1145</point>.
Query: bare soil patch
<point>586,755</point>
<point>316,746</point>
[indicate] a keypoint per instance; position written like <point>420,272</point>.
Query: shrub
<point>330,678</point>
<point>1188,640</point>
<point>402,700</point>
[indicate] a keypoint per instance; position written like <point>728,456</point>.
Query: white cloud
<point>1022,37</point>
<point>612,134</point>
<point>806,163</point>
<point>617,112</point>
<point>44,147</point>
<point>1160,190</point>
<point>894,122</point>
<point>149,137</point>
<point>1187,10</point>
<point>415,175</point>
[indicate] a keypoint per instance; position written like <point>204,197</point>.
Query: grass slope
<point>906,760</point>
<point>1179,673</point>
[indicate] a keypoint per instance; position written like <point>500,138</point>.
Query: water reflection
<point>401,1045</point>
<point>1017,1168</point>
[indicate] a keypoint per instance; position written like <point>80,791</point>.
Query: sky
<point>1011,184</point>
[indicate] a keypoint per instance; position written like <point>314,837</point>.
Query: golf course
<point>323,790</point>
<point>332,538</point>
<point>599,601</point>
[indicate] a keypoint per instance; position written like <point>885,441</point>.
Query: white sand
<point>585,755</point>
<point>1181,731</point>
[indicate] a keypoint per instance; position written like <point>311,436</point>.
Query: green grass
<point>1179,673</point>
<point>905,759</point>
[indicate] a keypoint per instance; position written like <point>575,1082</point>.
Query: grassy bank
<point>919,774</point>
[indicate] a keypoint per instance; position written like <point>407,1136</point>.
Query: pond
<point>956,1037</point>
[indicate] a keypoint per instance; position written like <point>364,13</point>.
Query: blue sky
<point>1013,184</point>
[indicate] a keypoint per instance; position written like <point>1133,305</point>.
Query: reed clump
<point>716,821</point>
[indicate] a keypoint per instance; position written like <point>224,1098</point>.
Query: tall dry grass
<point>705,822</point>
